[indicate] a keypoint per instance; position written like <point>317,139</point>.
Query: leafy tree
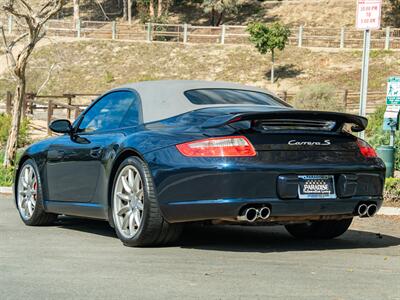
<point>269,39</point>
<point>218,8</point>
<point>393,13</point>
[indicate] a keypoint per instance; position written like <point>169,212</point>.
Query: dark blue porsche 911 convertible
<point>152,156</point>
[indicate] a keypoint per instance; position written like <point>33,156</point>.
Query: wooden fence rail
<point>302,36</point>
<point>56,105</point>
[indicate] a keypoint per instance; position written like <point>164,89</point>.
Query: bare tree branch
<point>52,67</point>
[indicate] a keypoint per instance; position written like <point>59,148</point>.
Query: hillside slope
<point>324,13</point>
<point>94,66</point>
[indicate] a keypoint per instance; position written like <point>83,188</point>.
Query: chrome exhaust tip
<point>264,213</point>
<point>249,215</point>
<point>362,210</point>
<point>371,210</point>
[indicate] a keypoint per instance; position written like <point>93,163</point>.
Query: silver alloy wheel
<point>128,204</point>
<point>27,192</point>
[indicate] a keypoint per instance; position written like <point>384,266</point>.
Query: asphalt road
<point>80,259</point>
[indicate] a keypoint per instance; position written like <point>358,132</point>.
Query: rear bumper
<point>229,209</point>
<point>194,189</point>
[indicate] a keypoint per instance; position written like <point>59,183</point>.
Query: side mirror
<point>61,126</point>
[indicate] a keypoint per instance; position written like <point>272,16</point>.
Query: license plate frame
<point>318,187</point>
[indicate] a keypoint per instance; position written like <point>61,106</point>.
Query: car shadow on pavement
<point>246,238</point>
<point>276,239</point>
<point>86,225</point>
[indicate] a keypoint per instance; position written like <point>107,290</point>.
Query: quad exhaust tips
<point>251,214</point>
<point>365,210</point>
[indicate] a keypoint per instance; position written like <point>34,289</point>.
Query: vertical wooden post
<point>149,29</point>
<point>8,102</point>
<point>342,37</point>
<point>185,33</point>
<point>387,38</point>
<point>10,24</point>
<point>114,30</point>
<point>30,104</point>
<point>78,28</point>
<point>69,101</point>
<point>49,115</point>
<point>223,32</point>
<point>284,96</point>
<point>345,96</point>
<point>130,12</point>
<point>77,112</point>
<point>300,37</point>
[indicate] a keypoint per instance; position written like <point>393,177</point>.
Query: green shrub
<point>376,136</point>
<point>319,96</point>
<point>5,123</point>
<point>392,190</point>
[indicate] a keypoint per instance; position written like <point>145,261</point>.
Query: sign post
<point>368,18</point>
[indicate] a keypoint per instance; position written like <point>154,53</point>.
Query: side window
<point>131,117</point>
<point>108,112</point>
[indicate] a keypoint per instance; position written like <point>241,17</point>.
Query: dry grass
<point>94,66</point>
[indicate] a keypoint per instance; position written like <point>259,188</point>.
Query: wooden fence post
<point>77,112</point>
<point>345,96</point>
<point>69,101</point>
<point>223,32</point>
<point>114,30</point>
<point>185,33</point>
<point>149,29</point>
<point>300,37</point>
<point>387,38</point>
<point>78,28</point>
<point>10,24</point>
<point>342,37</point>
<point>284,96</point>
<point>8,102</point>
<point>49,115</point>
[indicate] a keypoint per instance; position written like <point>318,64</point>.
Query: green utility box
<point>387,153</point>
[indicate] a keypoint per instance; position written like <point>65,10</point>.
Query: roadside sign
<point>393,91</point>
<point>368,14</point>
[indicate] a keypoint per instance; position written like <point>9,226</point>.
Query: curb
<point>384,211</point>
<point>6,190</point>
<point>389,211</point>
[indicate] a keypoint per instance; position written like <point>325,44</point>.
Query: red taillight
<point>233,146</point>
<point>365,149</point>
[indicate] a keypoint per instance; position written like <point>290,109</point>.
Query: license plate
<point>316,187</point>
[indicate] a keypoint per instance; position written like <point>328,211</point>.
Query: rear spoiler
<point>359,123</point>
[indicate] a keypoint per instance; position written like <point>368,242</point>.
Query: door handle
<point>95,152</point>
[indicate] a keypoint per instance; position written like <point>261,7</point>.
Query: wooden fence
<point>302,36</point>
<point>67,106</point>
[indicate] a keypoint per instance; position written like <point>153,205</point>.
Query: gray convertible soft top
<point>165,99</point>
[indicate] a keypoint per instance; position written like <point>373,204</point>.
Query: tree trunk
<point>220,17</point>
<point>125,10</point>
<point>212,17</point>
<point>12,141</point>
<point>273,67</point>
<point>151,9</point>
<point>76,11</point>
<point>159,8</point>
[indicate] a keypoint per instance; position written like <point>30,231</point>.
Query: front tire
<point>135,210</point>
<point>29,196</point>
<point>319,229</point>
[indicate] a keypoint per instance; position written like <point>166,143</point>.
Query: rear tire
<point>319,229</point>
<point>29,196</point>
<point>136,214</point>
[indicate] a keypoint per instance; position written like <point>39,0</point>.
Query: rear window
<point>228,96</point>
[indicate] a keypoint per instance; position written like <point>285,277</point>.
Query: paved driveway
<point>79,259</point>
